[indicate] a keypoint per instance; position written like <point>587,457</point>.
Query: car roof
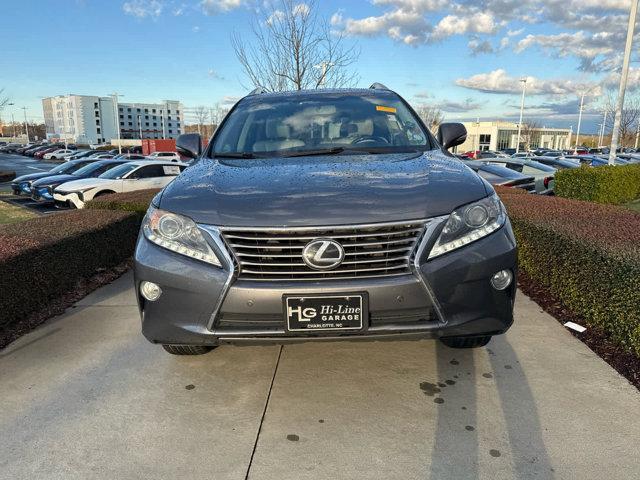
<point>155,162</point>
<point>321,92</point>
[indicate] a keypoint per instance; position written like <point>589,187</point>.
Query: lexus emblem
<point>323,254</point>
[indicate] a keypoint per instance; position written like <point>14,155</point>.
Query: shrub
<point>130,202</point>
<point>587,254</point>
<point>608,184</point>
<point>7,176</point>
<point>43,258</point>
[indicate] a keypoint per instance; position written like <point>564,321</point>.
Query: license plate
<point>325,313</point>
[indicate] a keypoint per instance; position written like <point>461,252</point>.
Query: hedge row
<point>608,184</point>
<point>587,254</point>
<point>130,202</point>
<point>43,258</point>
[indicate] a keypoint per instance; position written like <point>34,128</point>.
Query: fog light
<point>501,279</point>
<point>150,291</point>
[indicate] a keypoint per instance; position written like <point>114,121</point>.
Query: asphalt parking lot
<point>24,166</point>
<point>86,396</point>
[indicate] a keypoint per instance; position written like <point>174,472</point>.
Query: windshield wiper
<point>321,151</point>
<point>234,155</point>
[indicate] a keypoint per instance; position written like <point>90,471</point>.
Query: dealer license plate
<point>324,312</point>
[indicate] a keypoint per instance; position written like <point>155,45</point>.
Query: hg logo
<point>304,314</point>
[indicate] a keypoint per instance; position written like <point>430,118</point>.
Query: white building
<point>86,119</point>
<point>502,135</point>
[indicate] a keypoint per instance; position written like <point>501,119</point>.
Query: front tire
<point>466,342</point>
<point>187,349</point>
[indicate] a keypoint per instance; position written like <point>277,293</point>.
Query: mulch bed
<point>625,363</point>
<point>59,306</point>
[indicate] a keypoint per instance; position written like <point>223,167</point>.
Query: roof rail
<point>378,86</point>
<point>258,91</point>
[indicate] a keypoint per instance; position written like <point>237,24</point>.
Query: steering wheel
<point>370,139</point>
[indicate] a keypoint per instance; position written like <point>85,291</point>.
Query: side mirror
<point>189,145</point>
<point>451,134</point>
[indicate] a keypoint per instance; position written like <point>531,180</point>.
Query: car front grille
<point>377,250</point>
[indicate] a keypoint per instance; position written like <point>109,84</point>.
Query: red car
<point>41,153</point>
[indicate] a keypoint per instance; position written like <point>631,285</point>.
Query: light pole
<point>116,118</point>
<point>324,66</point>
<point>26,127</point>
<point>524,88</point>
<point>623,82</point>
<point>140,125</point>
<point>14,127</point>
<point>637,135</point>
<point>575,150</point>
<point>604,123</point>
<point>162,119</point>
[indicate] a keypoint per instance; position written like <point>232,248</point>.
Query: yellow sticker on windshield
<point>380,108</point>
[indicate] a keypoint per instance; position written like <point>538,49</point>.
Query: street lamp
<point>116,118</point>
<point>623,82</point>
<point>575,150</point>
<point>524,88</point>
<point>140,125</point>
<point>26,127</point>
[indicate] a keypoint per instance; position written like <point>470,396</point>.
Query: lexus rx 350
<point>324,215</point>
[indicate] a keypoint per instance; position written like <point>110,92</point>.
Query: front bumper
<point>450,295</point>
<point>42,195</point>
<point>67,200</point>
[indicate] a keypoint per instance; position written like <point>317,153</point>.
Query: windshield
<point>65,168</point>
<point>119,171</point>
<point>284,124</point>
<point>88,169</point>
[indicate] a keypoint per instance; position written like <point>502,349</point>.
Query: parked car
<point>521,155</point>
<point>543,174</point>
<point>595,160</point>
<point>130,156</point>
<point>22,184</point>
<point>44,151</point>
<point>131,176</point>
<point>102,156</point>
<point>347,220</point>
<point>164,156</point>
<point>502,176</point>
<point>81,154</point>
<point>558,162</point>
<point>42,189</point>
<point>10,147</point>
<point>57,154</point>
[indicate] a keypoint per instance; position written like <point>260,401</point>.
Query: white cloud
<point>214,74</point>
<point>590,30</point>
<point>143,8</point>
<point>214,7</point>
<point>499,82</point>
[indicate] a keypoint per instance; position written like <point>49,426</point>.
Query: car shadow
<point>456,453</point>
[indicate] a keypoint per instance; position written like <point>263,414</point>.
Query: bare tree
<point>629,120</point>
<point>293,49</point>
<point>431,115</point>
<point>4,100</point>
<point>530,134</point>
<point>202,115</point>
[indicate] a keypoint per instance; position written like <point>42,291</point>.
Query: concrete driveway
<point>85,396</point>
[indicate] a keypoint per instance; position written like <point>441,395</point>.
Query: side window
<point>514,166</point>
<point>148,171</point>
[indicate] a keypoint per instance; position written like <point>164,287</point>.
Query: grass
<point>11,213</point>
<point>634,206</point>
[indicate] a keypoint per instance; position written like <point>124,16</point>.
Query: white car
<point>58,154</point>
<point>173,156</point>
<point>128,177</point>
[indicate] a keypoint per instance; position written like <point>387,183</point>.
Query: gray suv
<point>324,215</point>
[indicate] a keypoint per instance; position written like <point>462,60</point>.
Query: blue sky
<point>464,57</point>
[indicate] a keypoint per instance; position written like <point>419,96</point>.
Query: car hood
<point>54,180</point>
<point>83,183</point>
<point>30,177</point>
<point>322,190</point>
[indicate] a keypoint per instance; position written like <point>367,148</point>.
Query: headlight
<point>470,223</point>
<point>179,234</point>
